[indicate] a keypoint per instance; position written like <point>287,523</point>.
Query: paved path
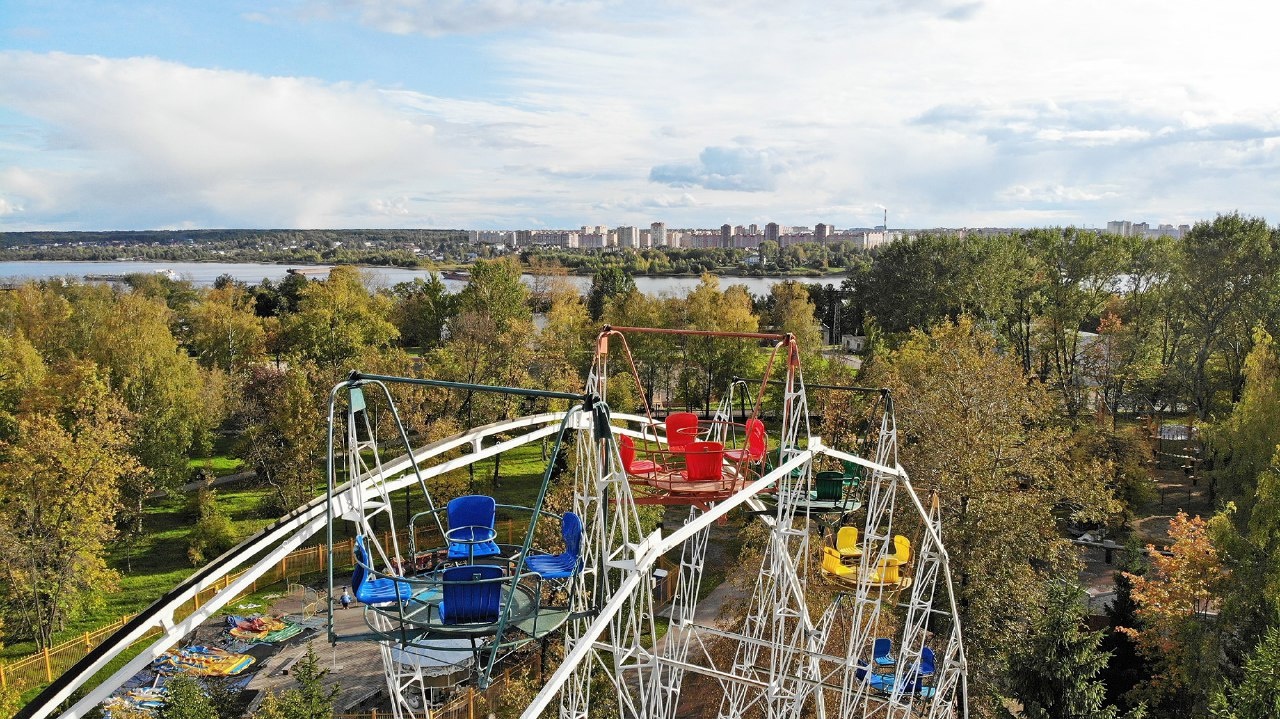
<point>190,487</point>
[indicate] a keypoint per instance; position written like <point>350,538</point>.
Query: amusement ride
<point>852,611</point>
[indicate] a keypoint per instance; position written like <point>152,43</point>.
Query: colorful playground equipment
<point>202,661</point>
<point>447,599</point>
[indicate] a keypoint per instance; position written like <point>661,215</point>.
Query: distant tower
<point>726,235</point>
<point>820,232</point>
<point>886,219</point>
<point>771,232</point>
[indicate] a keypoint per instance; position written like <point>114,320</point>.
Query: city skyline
<point>547,114</point>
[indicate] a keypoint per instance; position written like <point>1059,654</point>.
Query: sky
<point>529,114</point>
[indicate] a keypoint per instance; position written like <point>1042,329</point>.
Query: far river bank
<point>204,273</point>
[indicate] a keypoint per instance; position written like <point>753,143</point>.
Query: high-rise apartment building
<point>628,237</point>
<point>658,234</point>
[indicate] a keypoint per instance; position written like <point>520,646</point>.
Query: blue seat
<point>927,662</point>
<point>471,518</point>
<point>914,684</point>
<point>375,591</point>
<point>882,652</point>
<point>882,683</point>
<point>468,597</point>
<point>567,563</point>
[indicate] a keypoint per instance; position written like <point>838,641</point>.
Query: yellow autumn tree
<point>1174,598</point>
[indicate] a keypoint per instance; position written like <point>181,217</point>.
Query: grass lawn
<point>219,462</point>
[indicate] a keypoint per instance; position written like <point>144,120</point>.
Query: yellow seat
<point>847,543</point>
<point>886,575</point>
<point>901,551</point>
<point>834,568</point>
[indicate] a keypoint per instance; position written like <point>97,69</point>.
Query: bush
<point>213,532</point>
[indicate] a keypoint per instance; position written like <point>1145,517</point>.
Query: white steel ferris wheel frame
<point>617,591</point>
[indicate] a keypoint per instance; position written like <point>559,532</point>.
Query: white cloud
<point>946,111</point>
<point>723,168</point>
<point>443,17</point>
<point>216,145</point>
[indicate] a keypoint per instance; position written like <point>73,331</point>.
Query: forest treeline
<point>1017,362</point>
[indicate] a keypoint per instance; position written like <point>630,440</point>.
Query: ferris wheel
<point>850,613</point>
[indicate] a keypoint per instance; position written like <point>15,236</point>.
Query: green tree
<point>60,480</point>
<point>312,698</point>
<point>283,432</point>
<point>606,284</point>
<point>224,331</point>
<point>1126,667</point>
<point>491,340</point>
<point>1082,272</point>
<point>1257,695</point>
<point>1246,449</point>
<point>186,699</point>
<point>337,319</point>
<point>1055,674</point>
<point>423,310</point>
<point>1226,271</point>
<point>793,312</point>
<point>565,343</point>
<point>213,532</point>
<point>718,360</point>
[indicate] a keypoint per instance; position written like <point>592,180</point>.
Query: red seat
<point>629,461</point>
<point>754,451</point>
<point>704,461</point>
<point>682,429</point>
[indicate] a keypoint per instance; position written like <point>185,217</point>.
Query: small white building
<point>853,343</point>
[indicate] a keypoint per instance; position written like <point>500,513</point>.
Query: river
<point>204,273</point>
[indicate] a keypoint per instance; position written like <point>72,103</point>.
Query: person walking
<point>345,599</point>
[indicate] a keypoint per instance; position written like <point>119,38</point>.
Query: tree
<point>606,284</point>
<point>175,406</point>
<point>60,480</point>
<point>793,312</point>
<point>1246,449</point>
<point>1227,268</point>
<point>718,360</point>
<point>971,427</point>
<point>1055,674</point>
<point>213,532</point>
<point>1173,599</point>
<point>423,311</point>
<point>186,699</point>
<point>223,330</point>
<point>490,343</point>
<point>312,698</point>
<point>282,432</point>
<point>1126,667</point>
<point>337,319</point>
<point>1257,695</point>
<point>564,345</point>
<point>1082,272</point>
